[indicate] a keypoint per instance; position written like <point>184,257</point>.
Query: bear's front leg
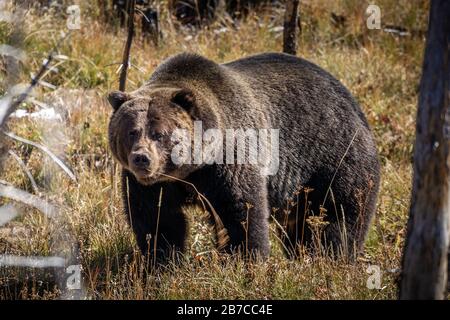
<point>240,199</point>
<point>155,215</point>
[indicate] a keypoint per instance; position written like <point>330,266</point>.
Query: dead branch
<point>126,52</point>
<point>8,191</point>
<point>291,29</point>
<point>34,81</point>
<point>25,169</point>
<point>45,150</point>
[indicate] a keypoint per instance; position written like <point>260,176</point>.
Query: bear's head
<point>142,127</point>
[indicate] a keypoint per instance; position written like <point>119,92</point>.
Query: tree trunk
<point>150,25</point>
<point>291,29</point>
<point>427,242</point>
<point>126,51</point>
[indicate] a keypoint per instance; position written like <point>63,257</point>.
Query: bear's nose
<point>141,160</point>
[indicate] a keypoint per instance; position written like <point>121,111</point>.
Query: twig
<point>142,14</point>
<point>155,246</point>
<point>222,234</point>
<point>31,262</point>
<point>25,169</point>
<point>120,66</point>
<point>8,191</point>
<point>275,233</point>
<point>126,52</point>
<point>34,81</point>
<point>44,149</point>
<point>291,27</point>
<point>338,167</point>
<point>284,232</point>
<point>7,213</point>
<point>129,204</point>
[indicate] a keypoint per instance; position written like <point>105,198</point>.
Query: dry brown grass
<point>380,69</point>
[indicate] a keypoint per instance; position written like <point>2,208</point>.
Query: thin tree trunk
<point>291,29</point>
<point>427,243</point>
<point>126,51</point>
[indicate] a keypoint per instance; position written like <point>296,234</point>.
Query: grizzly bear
<point>325,185</point>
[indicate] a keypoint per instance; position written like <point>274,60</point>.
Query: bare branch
<point>7,260</point>
<point>126,52</point>
<point>34,81</point>
<point>25,169</point>
<point>46,150</point>
<point>222,233</point>
<point>291,27</point>
<point>7,213</point>
<point>8,191</point>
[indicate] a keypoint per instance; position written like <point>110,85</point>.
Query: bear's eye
<point>157,136</point>
<point>133,133</point>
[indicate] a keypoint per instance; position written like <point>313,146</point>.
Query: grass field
<point>381,69</point>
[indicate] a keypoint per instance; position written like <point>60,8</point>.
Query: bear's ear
<point>184,98</point>
<point>117,98</point>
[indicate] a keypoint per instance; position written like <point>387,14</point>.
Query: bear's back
<point>318,120</point>
<point>297,86</point>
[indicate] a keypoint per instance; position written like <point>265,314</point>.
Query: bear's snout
<point>140,160</point>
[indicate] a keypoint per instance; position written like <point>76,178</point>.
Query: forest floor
<point>381,69</point>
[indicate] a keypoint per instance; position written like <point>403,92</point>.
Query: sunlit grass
<point>380,69</point>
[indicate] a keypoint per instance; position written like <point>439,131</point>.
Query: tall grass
<point>382,71</point>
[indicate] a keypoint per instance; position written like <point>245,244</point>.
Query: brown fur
<point>325,144</point>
